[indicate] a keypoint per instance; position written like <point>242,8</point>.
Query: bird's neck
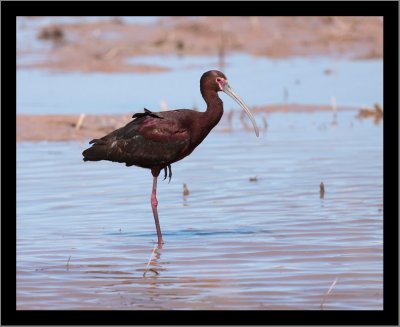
<point>207,120</point>
<point>214,110</point>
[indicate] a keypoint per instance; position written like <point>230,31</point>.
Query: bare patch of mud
<point>105,45</point>
<point>82,127</point>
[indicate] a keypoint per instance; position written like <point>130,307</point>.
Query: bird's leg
<point>154,203</point>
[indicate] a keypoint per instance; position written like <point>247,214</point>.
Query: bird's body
<point>155,140</point>
<point>152,140</point>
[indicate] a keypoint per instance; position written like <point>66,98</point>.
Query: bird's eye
<point>218,79</point>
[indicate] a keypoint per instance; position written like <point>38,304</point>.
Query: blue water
<point>252,234</point>
<point>85,230</point>
<point>259,81</point>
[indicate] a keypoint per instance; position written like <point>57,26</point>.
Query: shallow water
<point>293,80</point>
<point>85,231</point>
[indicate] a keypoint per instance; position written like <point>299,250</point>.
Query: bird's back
<point>150,140</point>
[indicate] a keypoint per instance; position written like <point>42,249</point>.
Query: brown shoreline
<point>64,127</point>
<point>104,46</point>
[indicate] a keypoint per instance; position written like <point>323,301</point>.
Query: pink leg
<point>154,204</point>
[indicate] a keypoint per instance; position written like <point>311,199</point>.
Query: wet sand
<point>104,46</point>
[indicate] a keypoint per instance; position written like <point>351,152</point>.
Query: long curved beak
<point>228,90</point>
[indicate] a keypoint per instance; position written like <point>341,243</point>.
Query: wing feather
<point>147,141</point>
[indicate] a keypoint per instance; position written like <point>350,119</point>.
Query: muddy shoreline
<point>105,46</point>
<point>86,127</point>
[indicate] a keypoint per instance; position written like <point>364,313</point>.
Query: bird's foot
<point>169,173</point>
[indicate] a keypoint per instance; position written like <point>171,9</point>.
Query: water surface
<point>85,231</point>
<point>264,81</point>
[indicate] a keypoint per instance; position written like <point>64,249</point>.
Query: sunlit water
<point>85,231</point>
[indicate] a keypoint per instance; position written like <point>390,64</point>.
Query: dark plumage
<point>156,140</point>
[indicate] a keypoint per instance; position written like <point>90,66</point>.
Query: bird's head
<point>217,81</point>
<point>214,80</point>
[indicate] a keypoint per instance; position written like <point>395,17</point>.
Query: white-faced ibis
<point>155,140</point>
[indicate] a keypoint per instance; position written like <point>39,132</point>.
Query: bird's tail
<point>98,151</point>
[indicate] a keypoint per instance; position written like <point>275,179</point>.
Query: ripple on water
<point>85,231</point>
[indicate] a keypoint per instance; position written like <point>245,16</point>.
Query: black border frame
<point>388,316</point>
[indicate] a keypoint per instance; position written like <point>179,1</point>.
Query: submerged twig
<point>185,190</point>
<point>327,293</point>
<point>148,263</point>
<point>321,190</point>
<point>333,104</point>
<point>69,259</point>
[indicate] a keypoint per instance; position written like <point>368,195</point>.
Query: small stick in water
<point>80,121</point>
<point>321,190</point>
<point>68,262</point>
<point>327,293</point>
<point>185,190</point>
<point>148,263</point>
<point>333,104</point>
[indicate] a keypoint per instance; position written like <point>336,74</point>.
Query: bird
<point>155,140</point>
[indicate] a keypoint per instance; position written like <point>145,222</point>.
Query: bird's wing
<point>163,129</point>
<point>147,141</point>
